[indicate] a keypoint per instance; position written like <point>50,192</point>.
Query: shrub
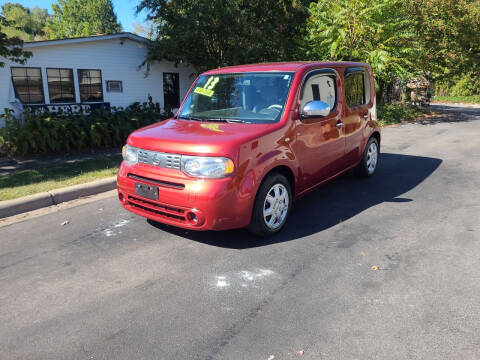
<point>44,132</point>
<point>469,84</point>
<point>466,85</point>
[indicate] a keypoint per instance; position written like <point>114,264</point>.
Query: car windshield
<point>240,97</point>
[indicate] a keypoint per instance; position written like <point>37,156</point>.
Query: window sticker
<point>202,91</point>
<point>207,89</point>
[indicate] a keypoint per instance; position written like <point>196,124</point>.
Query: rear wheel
<point>272,206</point>
<point>369,162</point>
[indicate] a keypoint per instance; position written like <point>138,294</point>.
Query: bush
<point>44,132</point>
<point>397,113</point>
<point>466,85</point>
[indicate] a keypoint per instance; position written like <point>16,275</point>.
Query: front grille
<point>157,182</point>
<point>155,158</point>
<point>166,211</point>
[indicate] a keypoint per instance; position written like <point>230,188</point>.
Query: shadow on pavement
<point>450,114</point>
<point>330,204</point>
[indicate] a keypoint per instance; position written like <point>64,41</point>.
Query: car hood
<point>196,137</point>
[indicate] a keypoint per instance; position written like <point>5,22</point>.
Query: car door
<point>320,142</point>
<point>357,87</point>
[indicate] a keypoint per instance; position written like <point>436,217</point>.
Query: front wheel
<point>272,206</point>
<point>369,162</point>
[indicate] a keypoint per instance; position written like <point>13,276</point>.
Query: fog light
<point>192,217</point>
<point>121,197</point>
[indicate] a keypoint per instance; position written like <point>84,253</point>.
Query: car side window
<point>319,87</point>
<point>357,91</point>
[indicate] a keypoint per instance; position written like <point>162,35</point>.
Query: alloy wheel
<point>275,206</point>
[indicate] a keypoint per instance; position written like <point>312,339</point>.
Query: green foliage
<point>397,113</point>
<point>211,33</point>
<point>11,47</point>
<point>75,18</point>
<point>436,39</point>
<point>64,132</point>
<point>24,23</point>
<point>448,33</point>
<point>377,32</point>
<point>459,86</point>
<point>469,84</point>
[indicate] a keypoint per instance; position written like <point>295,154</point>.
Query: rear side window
<point>356,88</point>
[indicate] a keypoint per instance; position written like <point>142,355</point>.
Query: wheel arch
<point>285,171</point>
<point>376,135</point>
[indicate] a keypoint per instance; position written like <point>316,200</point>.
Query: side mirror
<point>315,108</point>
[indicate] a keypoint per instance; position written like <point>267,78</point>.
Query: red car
<point>247,141</point>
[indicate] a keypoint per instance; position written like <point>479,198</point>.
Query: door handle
<point>339,124</point>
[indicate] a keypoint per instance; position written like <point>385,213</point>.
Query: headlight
<point>130,154</point>
<point>207,166</point>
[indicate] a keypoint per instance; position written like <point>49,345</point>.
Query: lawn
<point>472,99</point>
<point>397,113</point>
<point>32,181</point>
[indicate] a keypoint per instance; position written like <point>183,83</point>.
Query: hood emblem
<point>156,159</point>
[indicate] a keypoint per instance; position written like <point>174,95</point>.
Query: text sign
<point>71,108</point>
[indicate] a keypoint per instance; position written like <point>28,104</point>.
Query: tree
<point>448,31</point>
<point>11,47</point>
<point>379,32</point>
<point>212,33</point>
<point>75,18</point>
<point>399,38</point>
<point>24,23</point>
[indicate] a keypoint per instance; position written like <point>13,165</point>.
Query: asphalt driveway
<point>383,268</point>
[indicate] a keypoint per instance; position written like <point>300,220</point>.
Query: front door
<point>320,142</point>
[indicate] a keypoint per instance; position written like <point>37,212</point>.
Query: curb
<point>54,197</point>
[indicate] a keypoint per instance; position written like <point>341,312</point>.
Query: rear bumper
<point>213,204</point>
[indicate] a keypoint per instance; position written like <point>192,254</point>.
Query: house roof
<point>121,35</point>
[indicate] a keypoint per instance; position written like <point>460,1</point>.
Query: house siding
<point>118,59</point>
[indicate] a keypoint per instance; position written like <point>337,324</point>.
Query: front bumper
<point>197,204</point>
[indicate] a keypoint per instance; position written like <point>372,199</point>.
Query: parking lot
<point>378,268</point>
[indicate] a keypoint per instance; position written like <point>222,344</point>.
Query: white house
<point>87,72</point>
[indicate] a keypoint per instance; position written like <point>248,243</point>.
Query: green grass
<point>472,99</point>
<point>28,182</point>
<point>397,113</point>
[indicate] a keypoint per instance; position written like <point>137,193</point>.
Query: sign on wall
<point>71,108</point>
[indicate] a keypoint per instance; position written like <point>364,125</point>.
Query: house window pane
<point>27,83</point>
<point>90,84</point>
<point>171,92</point>
<point>60,85</point>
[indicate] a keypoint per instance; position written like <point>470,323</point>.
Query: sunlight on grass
<point>472,99</point>
<point>28,182</point>
<point>397,113</point>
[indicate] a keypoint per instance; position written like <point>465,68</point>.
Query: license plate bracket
<point>146,191</point>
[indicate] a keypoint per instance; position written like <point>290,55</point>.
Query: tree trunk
<point>381,92</point>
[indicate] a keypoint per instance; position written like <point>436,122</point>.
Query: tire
<point>272,206</point>
<point>369,163</point>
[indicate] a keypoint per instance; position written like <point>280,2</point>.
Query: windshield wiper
<point>226,120</point>
<point>191,118</point>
